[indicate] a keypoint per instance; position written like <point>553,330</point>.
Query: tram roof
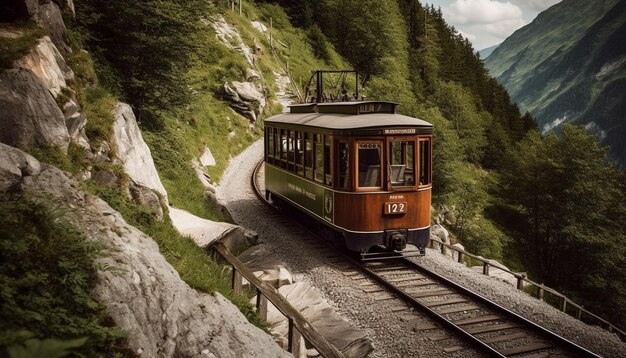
<point>344,121</point>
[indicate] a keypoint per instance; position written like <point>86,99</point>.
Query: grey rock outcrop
<point>49,16</point>
<point>207,159</point>
<point>204,232</point>
<point>29,114</point>
<point>230,37</point>
<point>75,122</point>
<point>47,63</point>
<point>14,166</point>
<point>352,342</point>
<point>133,152</point>
<point>245,98</point>
<point>143,293</point>
<point>146,197</point>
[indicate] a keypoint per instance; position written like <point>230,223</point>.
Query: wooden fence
<point>298,325</point>
<point>541,291</point>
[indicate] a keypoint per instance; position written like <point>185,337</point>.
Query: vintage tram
<point>359,168</point>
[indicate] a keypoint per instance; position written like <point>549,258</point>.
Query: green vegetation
<point>12,49</point>
<point>571,206</point>
<point>46,278</point>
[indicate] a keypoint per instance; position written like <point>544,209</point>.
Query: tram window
<point>319,158</point>
<point>402,163</point>
<point>328,160</point>
<point>424,164</point>
<point>308,155</point>
<point>270,144</point>
<point>283,146</point>
<point>291,155</point>
<point>344,166</point>
<point>369,164</point>
<point>299,147</point>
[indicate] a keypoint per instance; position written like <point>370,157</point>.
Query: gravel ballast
<point>393,334</point>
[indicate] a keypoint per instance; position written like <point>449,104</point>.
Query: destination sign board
<point>400,131</point>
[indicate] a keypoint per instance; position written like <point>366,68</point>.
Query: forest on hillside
<point>551,206</point>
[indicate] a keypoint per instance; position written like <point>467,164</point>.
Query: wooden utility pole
<point>271,27</point>
<point>240,6</point>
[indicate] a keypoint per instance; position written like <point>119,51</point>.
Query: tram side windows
<point>343,176</point>
<point>308,155</point>
<point>424,161</point>
<point>369,157</point>
<point>402,162</point>
<point>319,158</point>
<point>269,139</point>
<point>328,177</point>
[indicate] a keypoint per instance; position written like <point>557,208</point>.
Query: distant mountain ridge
<point>569,66</point>
<point>484,53</point>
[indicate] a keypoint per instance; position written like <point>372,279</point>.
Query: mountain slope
<point>569,66</point>
<point>484,53</point>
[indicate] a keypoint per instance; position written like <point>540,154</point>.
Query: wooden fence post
<point>237,281</point>
<point>293,340</point>
<point>261,305</point>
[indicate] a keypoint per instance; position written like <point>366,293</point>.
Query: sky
<point>488,22</point>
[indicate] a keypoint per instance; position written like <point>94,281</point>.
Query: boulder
<point>133,152</point>
<point>14,166</point>
<point>143,293</point>
<point>47,63</point>
<point>204,178</point>
<point>207,158</point>
<point>440,233</point>
<point>259,26</point>
<point>106,178</point>
<point>265,266</point>
<point>245,98</point>
<point>497,270</point>
<point>76,128</point>
<point>204,232</point>
<point>352,342</point>
<point>29,115</point>
<point>148,198</point>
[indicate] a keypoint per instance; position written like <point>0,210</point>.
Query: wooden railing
<point>298,325</point>
<point>553,297</point>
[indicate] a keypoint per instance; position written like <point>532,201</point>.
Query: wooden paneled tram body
<point>358,168</point>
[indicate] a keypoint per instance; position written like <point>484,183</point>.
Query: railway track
<point>460,318</point>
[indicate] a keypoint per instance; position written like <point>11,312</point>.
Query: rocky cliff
<point>145,296</point>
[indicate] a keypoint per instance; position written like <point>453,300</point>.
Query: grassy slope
<point>207,121</point>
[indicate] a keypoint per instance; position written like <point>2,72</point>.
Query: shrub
<point>46,278</point>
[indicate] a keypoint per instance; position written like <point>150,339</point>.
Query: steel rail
<point>510,314</point>
<point>476,342</point>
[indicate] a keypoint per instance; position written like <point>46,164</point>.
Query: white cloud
<point>473,12</point>
<point>484,22</point>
